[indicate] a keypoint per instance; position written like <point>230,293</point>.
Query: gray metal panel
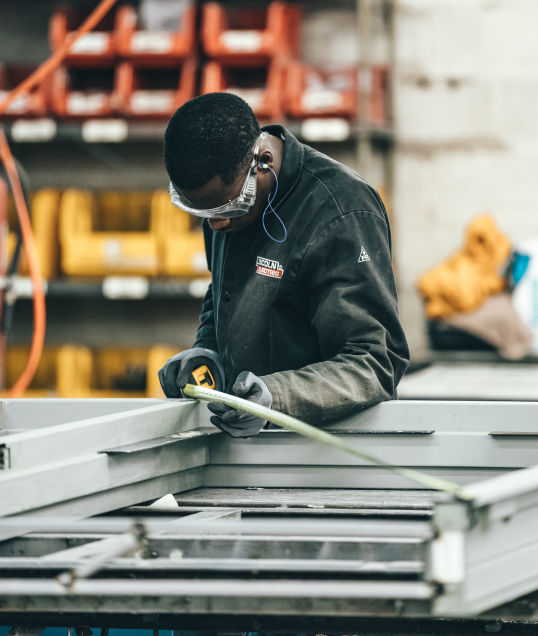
<point>310,498</point>
<point>271,476</point>
<point>441,449</point>
<point>82,437</point>
<point>62,561</point>
<point>501,564</point>
<point>445,415</point>
<point>395,415</point>
<point>224,597</point>
<point>41,412</point>
<point>28,489</point>
<point>472,382</point>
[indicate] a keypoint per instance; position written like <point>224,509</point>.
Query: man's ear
<point>265,157</point>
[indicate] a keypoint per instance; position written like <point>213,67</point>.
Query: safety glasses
<point>238,207</point>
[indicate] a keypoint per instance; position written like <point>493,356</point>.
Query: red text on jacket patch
<point>265,267</point>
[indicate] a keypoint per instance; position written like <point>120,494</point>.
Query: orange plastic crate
<point>155,47</point>
<point>81,92</point>
<point>318,92</point>
<point>251,36</point>
<point>33,104</point>
<point>261,87</point>
<point>93,49</point>
<point>154,92</point>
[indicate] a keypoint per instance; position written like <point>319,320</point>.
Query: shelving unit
<point>121,153</point>
<point>120,130</point>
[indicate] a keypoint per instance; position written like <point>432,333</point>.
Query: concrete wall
<point>466,97</point>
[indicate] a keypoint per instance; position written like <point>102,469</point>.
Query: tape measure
<point>202,376</point>
<point>324,437</point>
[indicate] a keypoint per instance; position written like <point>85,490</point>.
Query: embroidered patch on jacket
<point>266,267</point>
<point>364,256</point>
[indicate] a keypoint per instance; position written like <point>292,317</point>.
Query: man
<point>302,313</point>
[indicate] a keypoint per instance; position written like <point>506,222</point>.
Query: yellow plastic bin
<point>108,233</point>
<point>111,372</point>
<point>180,237</point>
<point>44,381</point>
<point>44,211</point>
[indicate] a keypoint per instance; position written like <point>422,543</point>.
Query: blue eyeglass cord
<point>270,200</point>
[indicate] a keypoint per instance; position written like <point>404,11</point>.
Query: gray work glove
<point>238,423</point>
<point>177,370</point>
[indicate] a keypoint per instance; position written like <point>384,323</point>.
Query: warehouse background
<point>458,138</point>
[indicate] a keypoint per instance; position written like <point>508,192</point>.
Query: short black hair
<point>210,135</point>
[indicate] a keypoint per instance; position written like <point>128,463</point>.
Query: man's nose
<point>218,224</point>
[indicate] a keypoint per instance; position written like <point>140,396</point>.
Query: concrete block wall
<point>466,123</point>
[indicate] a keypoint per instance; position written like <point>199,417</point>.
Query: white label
<point>85,103</point>
<point>322,99</point>
<point>199,262</point>
<point>23,286</point>
<point>33,130</point>
<point>152,101</point>
<point>108,130</point>
<point>448,557</point>
<point>241,41</point>
<point>20,105</point>
<point>198,288</point>
<point>252,96</point>
<point>114,257</point>
<point>125,287</point>
<point>91,44</point>
<point>325,129</point>
<point>147,42</point>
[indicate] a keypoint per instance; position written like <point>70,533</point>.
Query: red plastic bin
<point>261,87</point>
<point>251,36</point>
<point>33,104</point>
<point>93,49</point>
<point>321,92</point>
<point>154,92</point>
<point>154,48</point>
<point>79,92</point>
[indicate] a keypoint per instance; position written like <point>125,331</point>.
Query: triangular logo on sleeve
<point>364,256</point>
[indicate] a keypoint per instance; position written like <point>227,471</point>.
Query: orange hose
<point>38,337</point>
<point>40,318</point>
<point>57,58</point>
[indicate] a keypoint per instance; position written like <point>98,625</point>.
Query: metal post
<point>364,149</point>
<point>4,230</point>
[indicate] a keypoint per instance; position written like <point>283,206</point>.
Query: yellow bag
<point>464,281</point>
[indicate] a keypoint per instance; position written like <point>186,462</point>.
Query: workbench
<point>271,533</point>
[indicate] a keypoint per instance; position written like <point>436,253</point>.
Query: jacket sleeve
<point>206,335</point>
<point>350,302</point>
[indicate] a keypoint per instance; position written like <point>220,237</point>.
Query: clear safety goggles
<point>238,207</point>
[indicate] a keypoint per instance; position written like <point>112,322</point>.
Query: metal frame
<point>464,560</point>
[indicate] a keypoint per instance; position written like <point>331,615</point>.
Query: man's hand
<point>237,423</point>
<point>177,371</point>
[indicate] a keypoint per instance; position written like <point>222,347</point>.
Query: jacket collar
<point>292,162</point>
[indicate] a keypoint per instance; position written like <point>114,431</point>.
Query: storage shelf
<point>116,288</point>
<point>120,130</point>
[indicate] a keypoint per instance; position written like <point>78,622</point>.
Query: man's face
<point>216,193</point>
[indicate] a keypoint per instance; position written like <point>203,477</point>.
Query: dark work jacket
<point>313,318</point>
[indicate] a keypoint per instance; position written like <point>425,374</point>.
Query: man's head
<point>208,150</point>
